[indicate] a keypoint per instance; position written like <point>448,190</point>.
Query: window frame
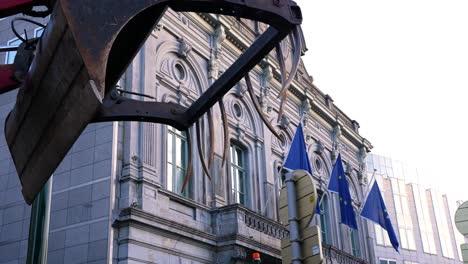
<point>325,220</point>
<point>244,169</point>
<point>393,261</point>
<point>354,240</point>
<point>11,41</point>
<point>174,181</point>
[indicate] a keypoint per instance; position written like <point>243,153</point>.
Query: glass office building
<point>422,217</point>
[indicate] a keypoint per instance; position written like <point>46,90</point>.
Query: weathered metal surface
<point>84,50</point>
<point>7,82</point>
<point>12,7</point>
<point>119,108</point>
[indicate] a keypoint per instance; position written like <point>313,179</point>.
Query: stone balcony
<point>243,227</point>
<point>338,256</point>
<point>236,232</point>
<point>237,225</point>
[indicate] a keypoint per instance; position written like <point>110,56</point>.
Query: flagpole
<point>369,186</point>
<point>293,223</point>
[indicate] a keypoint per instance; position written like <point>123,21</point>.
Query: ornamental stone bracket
<point>184,48</point>
<point>362,172</point>
<point>264,100</point>
<point>336,139</point>
<point>214,68</point>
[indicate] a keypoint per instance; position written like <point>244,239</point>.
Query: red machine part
<point>11,7</point>
<point>7,82</point>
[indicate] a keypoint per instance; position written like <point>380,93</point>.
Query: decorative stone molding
<point>348,169</point>
<point>240,133</point>
<point>362,173</point>
<point>240,90</point>
<point>264,100</point>
<point>284,122</point>
<point>319,147</point>
<point>184,48</point>
<point>336,139</point>
<point>305,108</point>
<point>214,68</point>
<point>157,30</point>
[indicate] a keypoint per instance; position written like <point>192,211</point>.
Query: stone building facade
<point>117,194</point>
<point>422,217</point>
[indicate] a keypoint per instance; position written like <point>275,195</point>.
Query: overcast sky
<point>400,68</point>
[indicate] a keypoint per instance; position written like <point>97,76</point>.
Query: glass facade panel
<point>405,224</point>
<point>10,57</point>
<point>424,220</point>
<point>442,225</point>
<point>325,220</point>
<point>177,157</point>
<point>355,246</point>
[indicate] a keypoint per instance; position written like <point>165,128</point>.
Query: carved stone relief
<point>336,139</point>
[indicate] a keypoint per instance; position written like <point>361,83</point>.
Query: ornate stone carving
<point>157,30</point>
<point>336,138</point>
<point>184,48</point>
<point>349,169</point>
<point>284,122</point>
<point>240,90</point>
<point>240,133</point>
<point>305,108</point>
<point>216,52</point>
<point>213,68</point>
<point>219,37</point>
<point>319,147</point>
<point>362,173</point>
<point>264,100</point>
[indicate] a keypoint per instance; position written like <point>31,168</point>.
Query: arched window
<point>238,174</point>
<point>325,220</point>
<point>177,157</point>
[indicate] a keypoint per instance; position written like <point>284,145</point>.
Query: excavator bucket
<point>84,50</point>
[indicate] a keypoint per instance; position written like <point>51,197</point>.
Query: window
<point>355,246</point>
<point>177,157</point>
<point>325,220</point>
<point>442,225</point>
<point>381,236</point>
<point>238,174</point>
<point>387,261</point>
<point>10,56</point>
<point>424,220</point>
<point>410,262</point>
<point>405,224</point>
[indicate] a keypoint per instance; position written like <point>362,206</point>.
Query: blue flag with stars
<point>297,157</point>
<point>375,210</point>
<point>339,184</point>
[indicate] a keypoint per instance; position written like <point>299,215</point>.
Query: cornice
<point>316,96</point>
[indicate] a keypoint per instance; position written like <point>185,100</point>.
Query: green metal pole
<point>39,226</point>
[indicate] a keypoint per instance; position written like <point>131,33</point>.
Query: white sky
<point>400,68</point>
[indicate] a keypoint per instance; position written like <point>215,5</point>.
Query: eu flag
<point>318,210</point>
<point>297,157</point>
<point>375,210</point>
<point>339,184</point>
